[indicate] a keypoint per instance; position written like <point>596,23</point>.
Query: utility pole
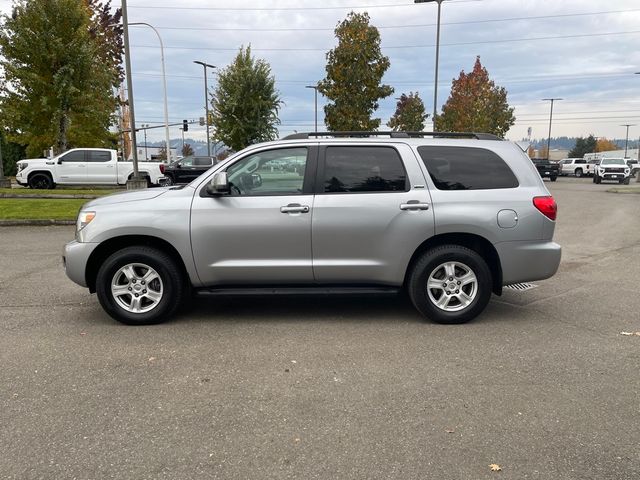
<point>626,140</point>
<point>4,182</point>
<point>206,102</point>
<point>135,182</point>
<point>550,119</point>
<point>435,86</point>
<point>315,88</point>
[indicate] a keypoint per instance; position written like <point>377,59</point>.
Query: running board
<point>237,291</point>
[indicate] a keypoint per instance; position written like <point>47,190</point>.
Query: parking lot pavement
<point>542,384</point>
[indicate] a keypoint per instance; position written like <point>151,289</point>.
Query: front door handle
<point>414,205</point>
<point>295,208</point>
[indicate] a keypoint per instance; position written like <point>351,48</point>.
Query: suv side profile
<point>450,219</point>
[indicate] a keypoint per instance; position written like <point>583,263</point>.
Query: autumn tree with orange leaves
<point>476,104</point>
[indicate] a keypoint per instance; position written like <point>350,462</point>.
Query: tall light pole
<point>315,88</point>
<point>132,116</point>
<point>626,140</point>
<point>164,88</point>
<point>146,154</point>
<point>550,119</point>
<point>206,102</point>
<point>435,86</point>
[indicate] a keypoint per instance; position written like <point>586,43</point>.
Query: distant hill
<point>567,143</point>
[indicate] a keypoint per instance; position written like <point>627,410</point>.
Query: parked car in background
<point>187,169</point>
<point>634,165</point>
<point>615,169</point>
<point>88,166</point>
<point>576,166</point>
<point>546,168</point>
<point>449,220</point>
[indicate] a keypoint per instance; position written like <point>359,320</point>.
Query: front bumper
<point>612,176</point>
<point>74,259</point>
<point>20,179</point>
<point>528,261</point>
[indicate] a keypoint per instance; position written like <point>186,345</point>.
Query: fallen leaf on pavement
<point>495,467</point>
<point>629,334</point>
<point>449,430</point>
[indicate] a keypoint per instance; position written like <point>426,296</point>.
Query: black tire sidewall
<point>161,263</point>
<point>437,256</point>
<point>38,175</point>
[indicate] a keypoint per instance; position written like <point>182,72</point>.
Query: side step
<point>276,290</point>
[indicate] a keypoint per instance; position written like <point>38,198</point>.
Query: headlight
<point>21,166</point>
<point>84,219</point>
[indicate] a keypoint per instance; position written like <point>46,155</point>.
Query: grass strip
<point>39,209</point>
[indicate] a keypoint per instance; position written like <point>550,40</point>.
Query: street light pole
<point>206,102</point>
<point>164,88</point>
<point>146,154</point>
<point>626,140</point>
<point>132,116</point>
<point>435,87</point>
<point>550,119</point>
<point>315,88</point>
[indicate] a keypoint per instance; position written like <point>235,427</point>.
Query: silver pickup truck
<point>89,166</point>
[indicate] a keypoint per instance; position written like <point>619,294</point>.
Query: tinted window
<point>581,161</point>
<point>364,169</point>
<point>271,172</point>
<point>202,162</point>
<point>98,156</point>
<point>465,168</point>
<point>75,156</point>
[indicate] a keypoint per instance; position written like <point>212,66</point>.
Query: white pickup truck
<point>94,166</point>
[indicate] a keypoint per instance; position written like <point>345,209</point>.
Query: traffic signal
<point>185,126</point>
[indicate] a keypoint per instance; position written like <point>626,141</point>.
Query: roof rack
<point>356,134</point>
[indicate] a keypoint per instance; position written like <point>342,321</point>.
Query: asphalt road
<point>543,383</point>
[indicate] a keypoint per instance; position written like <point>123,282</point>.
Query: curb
<point>38,223</point>
<point>34,195</point>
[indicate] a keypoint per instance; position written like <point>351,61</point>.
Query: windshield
<point>612,161</point>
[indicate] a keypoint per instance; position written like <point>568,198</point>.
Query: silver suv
<point>450,218</point>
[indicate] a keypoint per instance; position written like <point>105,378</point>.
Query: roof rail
<point>400,134</point>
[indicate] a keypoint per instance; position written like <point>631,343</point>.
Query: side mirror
<point>219,185</point>
<point>178,165</point>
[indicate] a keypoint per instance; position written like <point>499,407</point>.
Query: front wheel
<point>40,181</point>
<point>140,285</point>
<point>598,180</point>
<point>450,284</point>
<point>553,178</point>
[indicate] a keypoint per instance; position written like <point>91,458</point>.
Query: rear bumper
<point>74,260</point>
<point>528,261</point>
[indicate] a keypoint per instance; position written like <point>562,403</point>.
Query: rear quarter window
<point>466,168</point>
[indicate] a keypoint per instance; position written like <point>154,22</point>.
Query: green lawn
<point>40,209</point>
<point>61,191</point>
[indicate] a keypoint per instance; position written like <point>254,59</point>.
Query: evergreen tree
<point>354,73</point>
<point>246,102</point>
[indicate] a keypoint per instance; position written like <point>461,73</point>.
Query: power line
<point>274,9</point>
<point>288,49</point>
<point>489,20</point>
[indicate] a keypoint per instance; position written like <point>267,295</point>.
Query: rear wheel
<point>578,172</point>
<point>450,284</point>
<point>40,181</point>
<point>140,285</point>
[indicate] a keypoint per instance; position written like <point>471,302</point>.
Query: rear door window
<point>98,156</point>
<point>202,162</point>
<point>363,169</point>
<point>466,168</point>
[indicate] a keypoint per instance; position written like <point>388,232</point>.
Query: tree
<point>246,102</point>
<point>61,62</point>
<point>187,150</point>
<point>582,146</point>
<point>410,114</point>
<point>162,153</point>
<point>11,153</point>
<point>476,104</point>
<point>355,68</point>
<point>605,145</point>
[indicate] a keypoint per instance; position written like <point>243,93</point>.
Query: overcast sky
<point>584,51</point>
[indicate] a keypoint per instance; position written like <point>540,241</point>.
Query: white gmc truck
<point>95,166</point>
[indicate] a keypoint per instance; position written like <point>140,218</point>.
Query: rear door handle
<point>295,208</point>
<point>414,205</point>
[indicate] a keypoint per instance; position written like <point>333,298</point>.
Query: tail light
<point>162,168</point>
<point>547,206</point>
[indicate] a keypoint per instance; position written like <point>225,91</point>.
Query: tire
<point>433,264</point>
<point>40,181</point>
<point>598,180</point>
<point>594,179</point>
<point>578,172</point>
<point>169,181</point>
<point>553,179</point>
<point>126,269</point>
<point>625,181</point>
